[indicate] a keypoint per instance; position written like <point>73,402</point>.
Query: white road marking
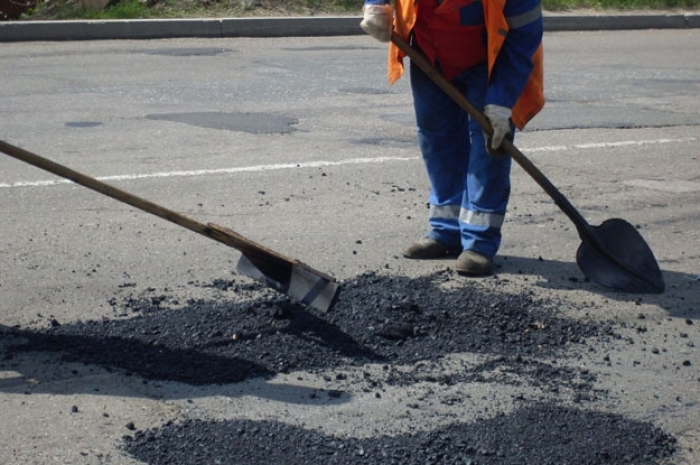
<point>324,163</point>
<point>606,145</point>
<point>675,187</point>
<point>194,173</point>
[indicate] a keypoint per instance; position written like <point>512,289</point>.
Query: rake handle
<point>424,64</point>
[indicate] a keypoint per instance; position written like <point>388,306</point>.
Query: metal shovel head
<point>300,284</point>
<point>616,256</point>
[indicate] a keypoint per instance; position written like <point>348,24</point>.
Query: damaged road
<point>124,340</point>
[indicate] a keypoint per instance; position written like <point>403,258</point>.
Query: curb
<point>289,27</point>
<point>622,22</point>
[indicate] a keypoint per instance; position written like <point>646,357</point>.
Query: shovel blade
<point>616,256</point>
<point>299,283</point>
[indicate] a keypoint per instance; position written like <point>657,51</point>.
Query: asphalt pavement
<point>303,26</point>
<point>300,144</point>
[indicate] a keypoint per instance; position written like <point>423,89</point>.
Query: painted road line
<point>607,145</point>
<point>195,173</point>
<point>327,163</point>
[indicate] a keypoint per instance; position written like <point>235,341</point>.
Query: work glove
<point>378,21</point>
<point>499,117</point>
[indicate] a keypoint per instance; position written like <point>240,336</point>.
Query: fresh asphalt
<point>299,26</point>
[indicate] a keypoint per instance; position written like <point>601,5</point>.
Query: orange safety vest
<point>531,100</point>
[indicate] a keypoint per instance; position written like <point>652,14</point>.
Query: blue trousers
<point>469,189</point>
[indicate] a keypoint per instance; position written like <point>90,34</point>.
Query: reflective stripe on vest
<point>523,19</point>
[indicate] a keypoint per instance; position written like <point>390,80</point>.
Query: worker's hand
<point>499,117</point>
<point>378,21</point>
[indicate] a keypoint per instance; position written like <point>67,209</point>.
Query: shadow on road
<point>681,298</point>
<point>379,319</point>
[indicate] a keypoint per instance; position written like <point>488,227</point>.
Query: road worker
<point>491,50</point>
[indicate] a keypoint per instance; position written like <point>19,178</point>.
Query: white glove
<point>378,21</point>
<point>499,117</point>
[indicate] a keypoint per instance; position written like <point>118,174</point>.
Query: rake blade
<point>299,283</point>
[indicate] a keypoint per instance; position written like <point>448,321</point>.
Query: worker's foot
<point>470,263</point>
<point>427,248</point>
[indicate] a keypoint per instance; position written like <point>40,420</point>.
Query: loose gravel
<point>379,319</point>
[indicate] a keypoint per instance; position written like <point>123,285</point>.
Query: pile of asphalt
<point>541,434</point>
<point>378,319</point>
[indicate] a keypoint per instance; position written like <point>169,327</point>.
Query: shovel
<point>284,274</point>
<point>613,254</point>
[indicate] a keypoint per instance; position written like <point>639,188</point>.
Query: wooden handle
<point>254,251</point>
<point>101,187</point>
